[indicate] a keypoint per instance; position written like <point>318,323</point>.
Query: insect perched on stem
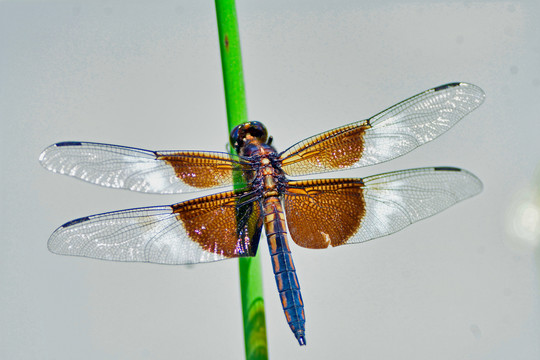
<point>317,213</point>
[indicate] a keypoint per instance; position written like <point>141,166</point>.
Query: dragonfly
<point>315,213</point>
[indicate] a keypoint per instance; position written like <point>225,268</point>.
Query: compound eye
<point>234,137</point>
<point>258,131</point>
<point>253,129</point>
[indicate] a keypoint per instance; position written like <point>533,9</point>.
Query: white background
<point>461,285</point>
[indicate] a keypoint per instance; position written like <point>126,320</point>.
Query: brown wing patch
<point>333,150</point>
<point>322,213</point>
<point>203,170</point>
<point>226,223</point>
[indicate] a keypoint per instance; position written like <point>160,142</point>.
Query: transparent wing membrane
<point>397,199</point>
<point>210,228</point>
<point>165,172</point>
<point>333,212</point>
<point>387,135</point>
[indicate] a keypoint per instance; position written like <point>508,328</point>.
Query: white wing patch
<point>397,199</point>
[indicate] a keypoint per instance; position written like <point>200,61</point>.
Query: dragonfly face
<point>250,132</point>
<point>317,213</point>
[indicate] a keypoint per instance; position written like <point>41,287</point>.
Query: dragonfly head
<point>248,132</point>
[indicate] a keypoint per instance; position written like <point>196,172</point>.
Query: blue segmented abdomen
<point>284,271</point>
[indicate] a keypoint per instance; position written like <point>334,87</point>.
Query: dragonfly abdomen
<point>284,270</point>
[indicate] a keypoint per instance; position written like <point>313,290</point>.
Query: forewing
<point>211,228</point>
<point>333,212</point>
<point>165,172</point>
<point>385,136</point>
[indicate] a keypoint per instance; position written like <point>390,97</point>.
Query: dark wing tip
<point>76,221</point>
<point>446,86</point>
<point>473,178</point>
<point>68,143</point>
<point>473,95</point>
<point>446,168</point>
<point>52,148</point>
<point>472,88</point>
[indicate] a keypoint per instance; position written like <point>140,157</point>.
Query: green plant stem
<point>235,98</point>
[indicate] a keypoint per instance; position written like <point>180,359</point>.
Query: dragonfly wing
<point>165,172</point>
<point>333,212</point>
<point>387,135</point>
<point>211,228</point>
